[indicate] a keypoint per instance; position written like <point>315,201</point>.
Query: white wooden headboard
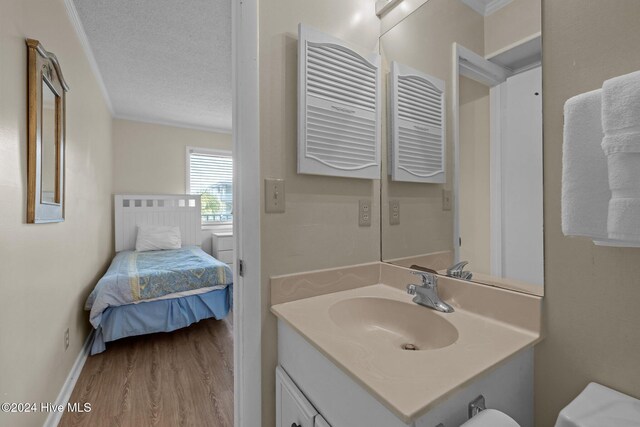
<point>182,210</point>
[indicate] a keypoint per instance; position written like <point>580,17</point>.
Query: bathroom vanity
<point>369,356</point>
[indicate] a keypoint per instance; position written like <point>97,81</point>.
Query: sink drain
<point>410,347</point>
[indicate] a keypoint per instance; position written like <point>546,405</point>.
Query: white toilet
<point>596,406</point>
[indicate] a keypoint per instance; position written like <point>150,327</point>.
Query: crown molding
<point>72,12</point>
<point>170,123</point>
<point>486,9</point>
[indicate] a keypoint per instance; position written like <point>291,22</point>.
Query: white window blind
<point>211,176</point>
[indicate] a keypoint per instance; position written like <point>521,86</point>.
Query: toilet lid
<point>599,406</point>
<point>491,418</point>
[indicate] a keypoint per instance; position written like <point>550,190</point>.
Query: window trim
<point>200,150</point>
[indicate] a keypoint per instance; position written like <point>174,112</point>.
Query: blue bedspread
<point>160,316</point>
<point>139,276</point>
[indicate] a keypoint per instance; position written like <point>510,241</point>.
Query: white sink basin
<point>405,326</point>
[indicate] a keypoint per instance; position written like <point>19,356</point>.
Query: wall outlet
<point>274,195</point>
<point>66,339</point>
<point>364,216</point>
<point>446,200</point>
<point>394,212</point>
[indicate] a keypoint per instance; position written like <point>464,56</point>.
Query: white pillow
<point>157,237</point>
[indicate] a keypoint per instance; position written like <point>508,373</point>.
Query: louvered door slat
<point>339,108</point>
<point>417,146</point>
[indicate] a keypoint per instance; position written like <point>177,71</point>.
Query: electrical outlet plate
<point>274,195</point>
<point>364,216</point>
<point>446,200</point>
<point>394,212</point>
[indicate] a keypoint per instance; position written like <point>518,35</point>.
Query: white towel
<point>621,144</point>
<point>621,103</point>
<point>585,189</point>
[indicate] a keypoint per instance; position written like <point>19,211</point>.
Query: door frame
<point>247,318</point>
<point>469,64</point>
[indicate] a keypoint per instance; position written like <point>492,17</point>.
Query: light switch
<point>394,212</point>
<point>364,216</point>
<point>446,200</point>
<point>274,195</point>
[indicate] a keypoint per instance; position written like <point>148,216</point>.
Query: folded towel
<point>621,144</point>
<point>585,189</point>
<point>621,104</point>
<point>624,219</point>
<point>627,142</point>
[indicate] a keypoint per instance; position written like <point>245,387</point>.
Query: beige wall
<point>47,270</point>
<point>423,41</point>
<point>591,293</point>
<point>517,21</point>
<point>320,226</point>
<point>151,158</point>
<point>475,195</point>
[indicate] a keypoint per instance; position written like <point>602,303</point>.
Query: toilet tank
<point>599,406</point>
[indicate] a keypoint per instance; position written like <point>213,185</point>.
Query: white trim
<point>384,6</point>
<point>133,118</point>
<point>480,69</point>
<point>495,5</point>
<point>455,107</point>
<point>497,102</point>
<point>247,311</point>
<point>513,45</point>
<point>67,388</point>
<point>489,8</point>
<point>72,12</point>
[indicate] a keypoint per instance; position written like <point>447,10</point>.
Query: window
<point>210,174</point>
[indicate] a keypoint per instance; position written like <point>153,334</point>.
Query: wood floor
<point>182,378</point>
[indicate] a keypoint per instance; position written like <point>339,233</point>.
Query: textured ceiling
<point>166,61</point>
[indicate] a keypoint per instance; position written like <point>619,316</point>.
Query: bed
<point>157,291</point>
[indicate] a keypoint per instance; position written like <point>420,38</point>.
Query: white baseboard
<point>67,388</point>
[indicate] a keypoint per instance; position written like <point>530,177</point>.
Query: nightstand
<point>222,247</point>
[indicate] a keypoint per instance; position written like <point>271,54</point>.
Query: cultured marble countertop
<point>409,383</point>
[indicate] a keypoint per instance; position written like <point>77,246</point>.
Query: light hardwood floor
<point>182,378</point>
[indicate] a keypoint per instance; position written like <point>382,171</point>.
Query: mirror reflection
<point>483,220</point>
<point>49,155</point>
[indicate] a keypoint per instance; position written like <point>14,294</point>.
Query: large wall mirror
<point>464,126</point>
<point>45,170</point>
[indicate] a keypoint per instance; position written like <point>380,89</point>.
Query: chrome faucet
<point>427,293</point>
<point>457,271</point>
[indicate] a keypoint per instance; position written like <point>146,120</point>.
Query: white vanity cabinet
<point>293,408</point>
<point>315,390</point>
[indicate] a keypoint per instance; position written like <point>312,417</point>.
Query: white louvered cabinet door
<point>417,128</point>
<point>338,108</point>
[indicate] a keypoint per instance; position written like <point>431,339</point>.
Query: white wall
<point>47,270</point>
<point>522,217</point>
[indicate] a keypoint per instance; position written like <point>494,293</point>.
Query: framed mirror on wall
<point>482,221</point>
<point>46,135</point>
